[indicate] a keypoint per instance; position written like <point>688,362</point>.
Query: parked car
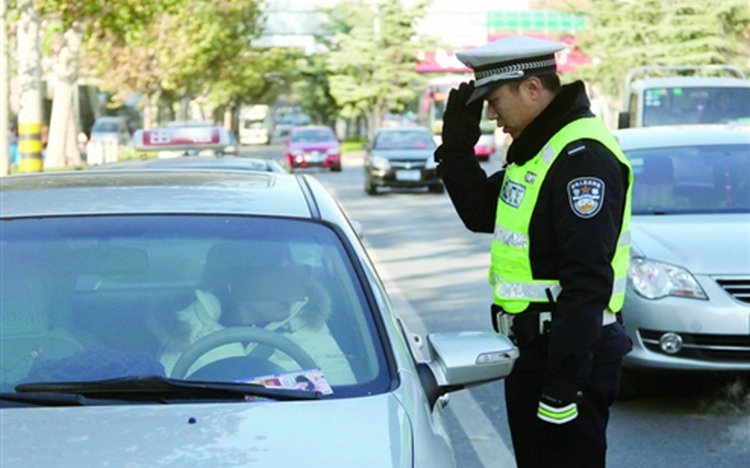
<point>110,129</point>
<point>312,146</point>
<point>108,140</point>
<point>401,157</point>
<point>687,306</point>
<point>123,339</point>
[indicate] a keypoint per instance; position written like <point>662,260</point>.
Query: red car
<point>312,146</point>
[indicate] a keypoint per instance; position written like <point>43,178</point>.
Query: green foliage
<point>120,17</point>
<point>373,55</point>
<point>193,48</point>
<point>623,34</point>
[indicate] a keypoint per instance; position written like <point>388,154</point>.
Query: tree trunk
<point>229,117</point>
<point>72,151</point>
<point>151,109</point>
<point>60,130</point>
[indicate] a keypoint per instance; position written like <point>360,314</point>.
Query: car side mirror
<point>464,359</point>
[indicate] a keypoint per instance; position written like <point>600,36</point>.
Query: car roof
<point>690,81</point>
<point>682,135</point>
<point>152,191</point>
<point>196,162</point>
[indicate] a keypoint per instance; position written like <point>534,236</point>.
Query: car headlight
<point>295,152</point>
<point>332,151</point>
<point>430,163</point>
<point>379,162</point>
<point>654,280</point>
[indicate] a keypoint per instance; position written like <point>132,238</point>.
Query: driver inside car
<point>279,300</point>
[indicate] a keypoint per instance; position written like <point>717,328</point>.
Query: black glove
<point>461,121</point>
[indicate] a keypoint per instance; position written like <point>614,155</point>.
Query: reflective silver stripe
<point>624,239</point>
<point>539,291</point>
<point>511,238</point>
<point>619,285</point>
<point>608,317</point>
<point>526,290</point>
<point>548,153</point>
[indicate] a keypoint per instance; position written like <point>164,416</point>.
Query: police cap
<point>509,58</point>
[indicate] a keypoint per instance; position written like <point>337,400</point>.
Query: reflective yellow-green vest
<point>510,271</point>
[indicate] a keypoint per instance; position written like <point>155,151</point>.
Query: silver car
<point>125,340</point>
<point>687,306</point>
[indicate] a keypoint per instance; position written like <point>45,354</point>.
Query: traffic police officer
<point>559,211</point>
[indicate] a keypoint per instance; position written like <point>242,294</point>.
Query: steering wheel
<point>241,334</point>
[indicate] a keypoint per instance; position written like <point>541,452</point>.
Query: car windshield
<point>691,179</point>
<point>310,136</point>
<point>404,140</point>
<point>693,105</point>
<point>207,298</point>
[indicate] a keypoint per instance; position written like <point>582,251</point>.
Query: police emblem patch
<point>530,177</point>
<point>586,195</point>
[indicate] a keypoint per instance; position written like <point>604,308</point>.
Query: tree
<point>624,34</point>
<point>80,20</point>
<point>196,49</point>
<point>371,67</point>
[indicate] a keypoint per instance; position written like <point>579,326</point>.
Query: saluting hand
<point>461,121</point>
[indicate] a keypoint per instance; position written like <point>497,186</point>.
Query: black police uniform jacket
<point>563,245</point>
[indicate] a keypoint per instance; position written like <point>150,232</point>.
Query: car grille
<point>737,288</point>
<point>406,164</point>
<point>704,347</point>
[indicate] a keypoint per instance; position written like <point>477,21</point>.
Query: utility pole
<point>30,85</point>
<point>4,80</point>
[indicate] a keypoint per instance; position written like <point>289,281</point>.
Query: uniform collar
<point>571,103</point>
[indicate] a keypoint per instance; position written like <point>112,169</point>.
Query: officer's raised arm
<point>471,191</point>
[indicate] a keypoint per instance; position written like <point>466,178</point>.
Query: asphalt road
<point>436,272</point>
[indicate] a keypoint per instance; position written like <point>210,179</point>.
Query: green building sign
<point>542,21</point>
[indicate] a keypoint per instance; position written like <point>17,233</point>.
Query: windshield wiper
<point>156,388</point>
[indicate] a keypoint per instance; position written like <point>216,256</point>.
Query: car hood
<point>413,154</point>
<point>704,244</point>
<point>363,432</point>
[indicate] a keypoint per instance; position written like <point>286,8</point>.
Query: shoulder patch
<point>586,196</point>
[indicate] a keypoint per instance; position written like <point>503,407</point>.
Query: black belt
<point>524,327</point>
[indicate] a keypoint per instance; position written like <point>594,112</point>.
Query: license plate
<point>408,175</point>
<point>315,156</point>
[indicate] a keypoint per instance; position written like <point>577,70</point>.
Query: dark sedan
<point>401,157</point>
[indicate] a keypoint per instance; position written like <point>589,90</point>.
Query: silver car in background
<point>687,306</point>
